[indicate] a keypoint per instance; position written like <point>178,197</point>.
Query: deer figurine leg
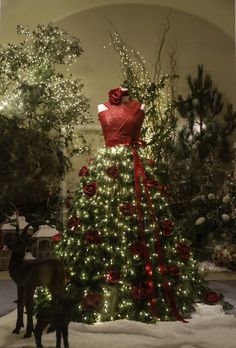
<point>20,309</point>
<point>40,326</point>
<point>65,336</point>
<point>29,311</point>
<point>58,336</point>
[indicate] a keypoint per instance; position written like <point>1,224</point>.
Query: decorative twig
<point>157,66</point>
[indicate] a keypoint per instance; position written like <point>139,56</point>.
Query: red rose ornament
<point>90,189</point>
<point>167,227</point>
<point>92,237</point>
<point>92,300</point>
<point>184,250</point>
<point>152,183</point>
<point>84,171</point>
<point>127,209</point>
<point>112,277</point>
<point>141,292</point>
<point>56,237</point>
<point>212,297</point>
<point>138,248</point>
<point>174,270</point>
<point>151,162</point>
<point>113,172</point>
<point>73,222</point>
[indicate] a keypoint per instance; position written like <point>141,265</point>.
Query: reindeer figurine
<point>29,274</point>
<point>58,315</point>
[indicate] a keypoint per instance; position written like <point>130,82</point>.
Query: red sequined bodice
<point>121,124</point>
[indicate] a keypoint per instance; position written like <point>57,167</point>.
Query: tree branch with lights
<point>154,89</point>
<point>41,108</point>
<point>192,159</point>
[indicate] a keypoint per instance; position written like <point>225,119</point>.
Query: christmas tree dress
<point>126,258</point>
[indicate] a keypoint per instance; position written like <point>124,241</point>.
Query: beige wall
<point>197,42</point>
<point>217,12</point>
<point>94,136</point>
<point>203,31</point>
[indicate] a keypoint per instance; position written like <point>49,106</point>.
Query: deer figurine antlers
<point>29,274</point>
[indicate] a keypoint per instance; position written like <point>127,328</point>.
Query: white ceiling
<point>219,13</point>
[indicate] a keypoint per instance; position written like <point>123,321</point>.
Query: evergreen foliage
<point>40,109</point>
<point>106,254</point>
<point>192,159</point>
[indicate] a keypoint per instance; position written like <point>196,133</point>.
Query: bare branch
<point>157,66</point>
<point>17,218</point>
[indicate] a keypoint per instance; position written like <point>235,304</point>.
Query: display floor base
<point>226,286</point>
<point>209,328</point>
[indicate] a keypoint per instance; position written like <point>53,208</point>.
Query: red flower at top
<point>84,171</point>
<point>115,96</point>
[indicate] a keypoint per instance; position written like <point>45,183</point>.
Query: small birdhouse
<point>10,226</point>
<point>45,237</point>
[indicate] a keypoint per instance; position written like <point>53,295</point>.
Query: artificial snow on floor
<point>210,327</point>
<point>209,266</point>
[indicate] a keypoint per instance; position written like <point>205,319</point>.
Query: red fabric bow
<point>139,174</point>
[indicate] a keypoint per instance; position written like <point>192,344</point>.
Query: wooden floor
<point>4,275</point>
<point>220,275</point>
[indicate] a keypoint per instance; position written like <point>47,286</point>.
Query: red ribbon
<point>148,265</point>
<point>139,173</point>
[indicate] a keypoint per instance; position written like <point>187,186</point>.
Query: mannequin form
<point>126,258</point>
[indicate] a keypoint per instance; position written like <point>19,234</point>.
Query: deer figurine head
<point>29,274</point>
